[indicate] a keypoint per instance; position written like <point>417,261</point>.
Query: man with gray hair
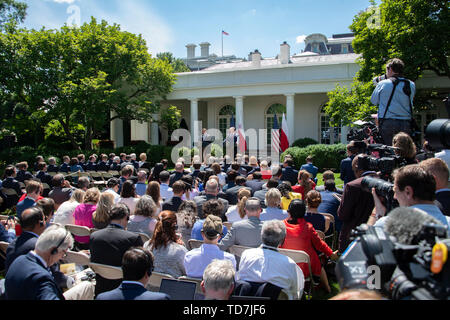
<point>141,186</point>
<point>211,193</point>
<point>266,265</point>
<point>246,232</point>
<point>32,271</point>
<point>218,280</point>
<point>178,174</point>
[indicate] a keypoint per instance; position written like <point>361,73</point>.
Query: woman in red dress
<point>300,235</point>
<point>305,184</point>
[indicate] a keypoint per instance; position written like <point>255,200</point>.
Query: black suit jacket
<point>108,246</point>
<point>443,202</point>
<point>102,166</point>
<point>200,200</point>
<point>255,185</point>
<point>45,178</point>
<point>22,176</point>
<point>175,177</point>
<point>131,291</point>
<point>172,204</point>
<point>291,175</point>
<point>11,183</point>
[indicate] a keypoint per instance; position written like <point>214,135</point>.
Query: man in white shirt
<point>266,264</point>
<point>164,189</point>
<point>196,261</point>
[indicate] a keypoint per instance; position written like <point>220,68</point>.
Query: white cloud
<point>64,1</point>
<point>301,39</point>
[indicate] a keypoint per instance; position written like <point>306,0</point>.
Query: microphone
<point>406,223</point>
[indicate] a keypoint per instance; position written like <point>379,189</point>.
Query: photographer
<point>356,204</point>
<point>394,97</point>
<point>413,187</point>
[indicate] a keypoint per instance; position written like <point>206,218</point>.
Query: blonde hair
<point>273,198</point>
<point>313,199</point>
<point>77,196</point>
<point>243,196</point>
<point>92,195</point>
<point>105,203</point>
<point>143,156</point>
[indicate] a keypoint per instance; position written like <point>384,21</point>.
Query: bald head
<point>179,167</point>
<point>212,187</point>
<point>33,220</point>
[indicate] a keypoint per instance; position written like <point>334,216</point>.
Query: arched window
<point>328,134</point>
<point>224,119</point>
<point>277,110</point>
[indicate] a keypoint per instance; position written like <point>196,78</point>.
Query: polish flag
<point>284,140</point>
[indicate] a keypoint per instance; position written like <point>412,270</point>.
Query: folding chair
<point>115,173</point>
<point>79,231</point>
<point>107,272</point>
<point>10,192</point>
<point>237,250</point>
<point>144,237</point>
<point>301,257</point>
<point>106,175</point>
<point>97,178</point>
<point>3,247</point>
<point>155,281</point>
<point>321,234</point>
<point>79,258</point>
<point>333,235</point>
<point>193,244</point>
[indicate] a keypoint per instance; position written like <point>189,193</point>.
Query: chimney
<point>256,59</point>
<point>191,51</point>
<point>285,53</point>
<point>205,49</point>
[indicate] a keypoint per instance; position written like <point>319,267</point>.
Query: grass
<point>337,179</point>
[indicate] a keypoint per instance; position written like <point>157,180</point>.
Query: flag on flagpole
<point>241,140</point>
<point>276,135</point>
<point>284,140</point>
<point>225,33</point>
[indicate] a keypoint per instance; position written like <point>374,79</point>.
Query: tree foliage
<point>177,64</point>
<point>82,75</point>
<point>12,12</point>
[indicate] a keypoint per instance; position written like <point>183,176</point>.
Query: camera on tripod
<point>405,271</point>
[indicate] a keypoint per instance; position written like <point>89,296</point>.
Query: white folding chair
<point>79,231</point>
<point>79,258</point>
<point>301,257</point>
<point>107,272</point>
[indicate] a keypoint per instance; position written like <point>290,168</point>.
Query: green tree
<point>170,119</point>
<point>177,64</point>
<point>83,75</point>
<point>12,12</point>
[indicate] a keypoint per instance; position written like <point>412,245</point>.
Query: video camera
<point>387,162</point>
<point>366,131</point>
<point>405,271</point>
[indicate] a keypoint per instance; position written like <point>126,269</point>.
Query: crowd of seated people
<point>252,204</point>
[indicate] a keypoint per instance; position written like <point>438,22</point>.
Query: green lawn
<point>337,178</point>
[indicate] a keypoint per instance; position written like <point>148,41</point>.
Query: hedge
<point>325,156</point>
<point>303,143</point>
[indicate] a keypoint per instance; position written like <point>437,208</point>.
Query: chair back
<point>283,295</point>
<point>3,247</point>
<point>237,250</point>
<point>79,258</point>
<point>79,231</point>
<point>9,192</point>
<point>194,244</point>
<point>155,280</point>
<point>144,237</point>
<point>107,272</point>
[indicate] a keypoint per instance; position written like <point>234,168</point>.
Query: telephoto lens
<point>438,134</point>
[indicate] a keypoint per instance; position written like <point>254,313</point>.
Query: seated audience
<point>51,247</point>
<point>52,166</point>
<point>256,184</point>
<point>113,188</point>
<point>246,232</point>
<point>210,207</point>
<point>33,194</point>
<point>42,174</point>
<point>65,167</point>
<point>64,214</point>
<point>196,260</point>
<point>232,192</point>
<point>265,170</point>
<point>237,212</point>
<point>102,165</point>
<point>23,175</point>
<point>83,183</point>
<point>62,190</point>
<point>289,173</point>
<point>143,163</point>
<point>100,217</point>
<point>141,186</point>
<point>174,203</point>
<point>300,235</point>
<point>287,195</point>
<point>261,194</point>
<point>154,191</point>
<point>211,193</point>
<point>137,267</point>
<point>48,207</point>
<point>319,221</point>
<point>312,169</point>
<point>305,184</point>
<point>330,202</point>
<point>83,214</point>
<point>266,264</point>
<point>328,175</point>
<point>166,191</point>
<point>107,246</point>
<point>218,280</point>
<point>10,182</point>
<point>177,175</point>
<point>273,204</point>
<point>144,218</point>
<point>128,196</point>
<point>231,180</point>
<point>186,218</point>
<point>167,247</point>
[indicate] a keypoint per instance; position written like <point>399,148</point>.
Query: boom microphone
<point>405,224</point>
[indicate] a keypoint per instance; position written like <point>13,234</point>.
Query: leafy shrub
<point>325,156</point>
<point>303,143</point>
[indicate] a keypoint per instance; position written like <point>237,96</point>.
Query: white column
<point>290,116</point>
<point>194,121</point>
<point>344,132</point>
<point>116,130</point>
<point>239,112</point>
<point>139,131</point>
<point>155,130</point>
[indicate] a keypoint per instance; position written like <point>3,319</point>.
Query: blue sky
<point>168,25</point>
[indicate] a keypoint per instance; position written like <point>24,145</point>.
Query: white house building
<point>254,91</point>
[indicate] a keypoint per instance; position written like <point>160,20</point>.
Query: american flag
<point>225,33</point>
<point>276,135</point>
